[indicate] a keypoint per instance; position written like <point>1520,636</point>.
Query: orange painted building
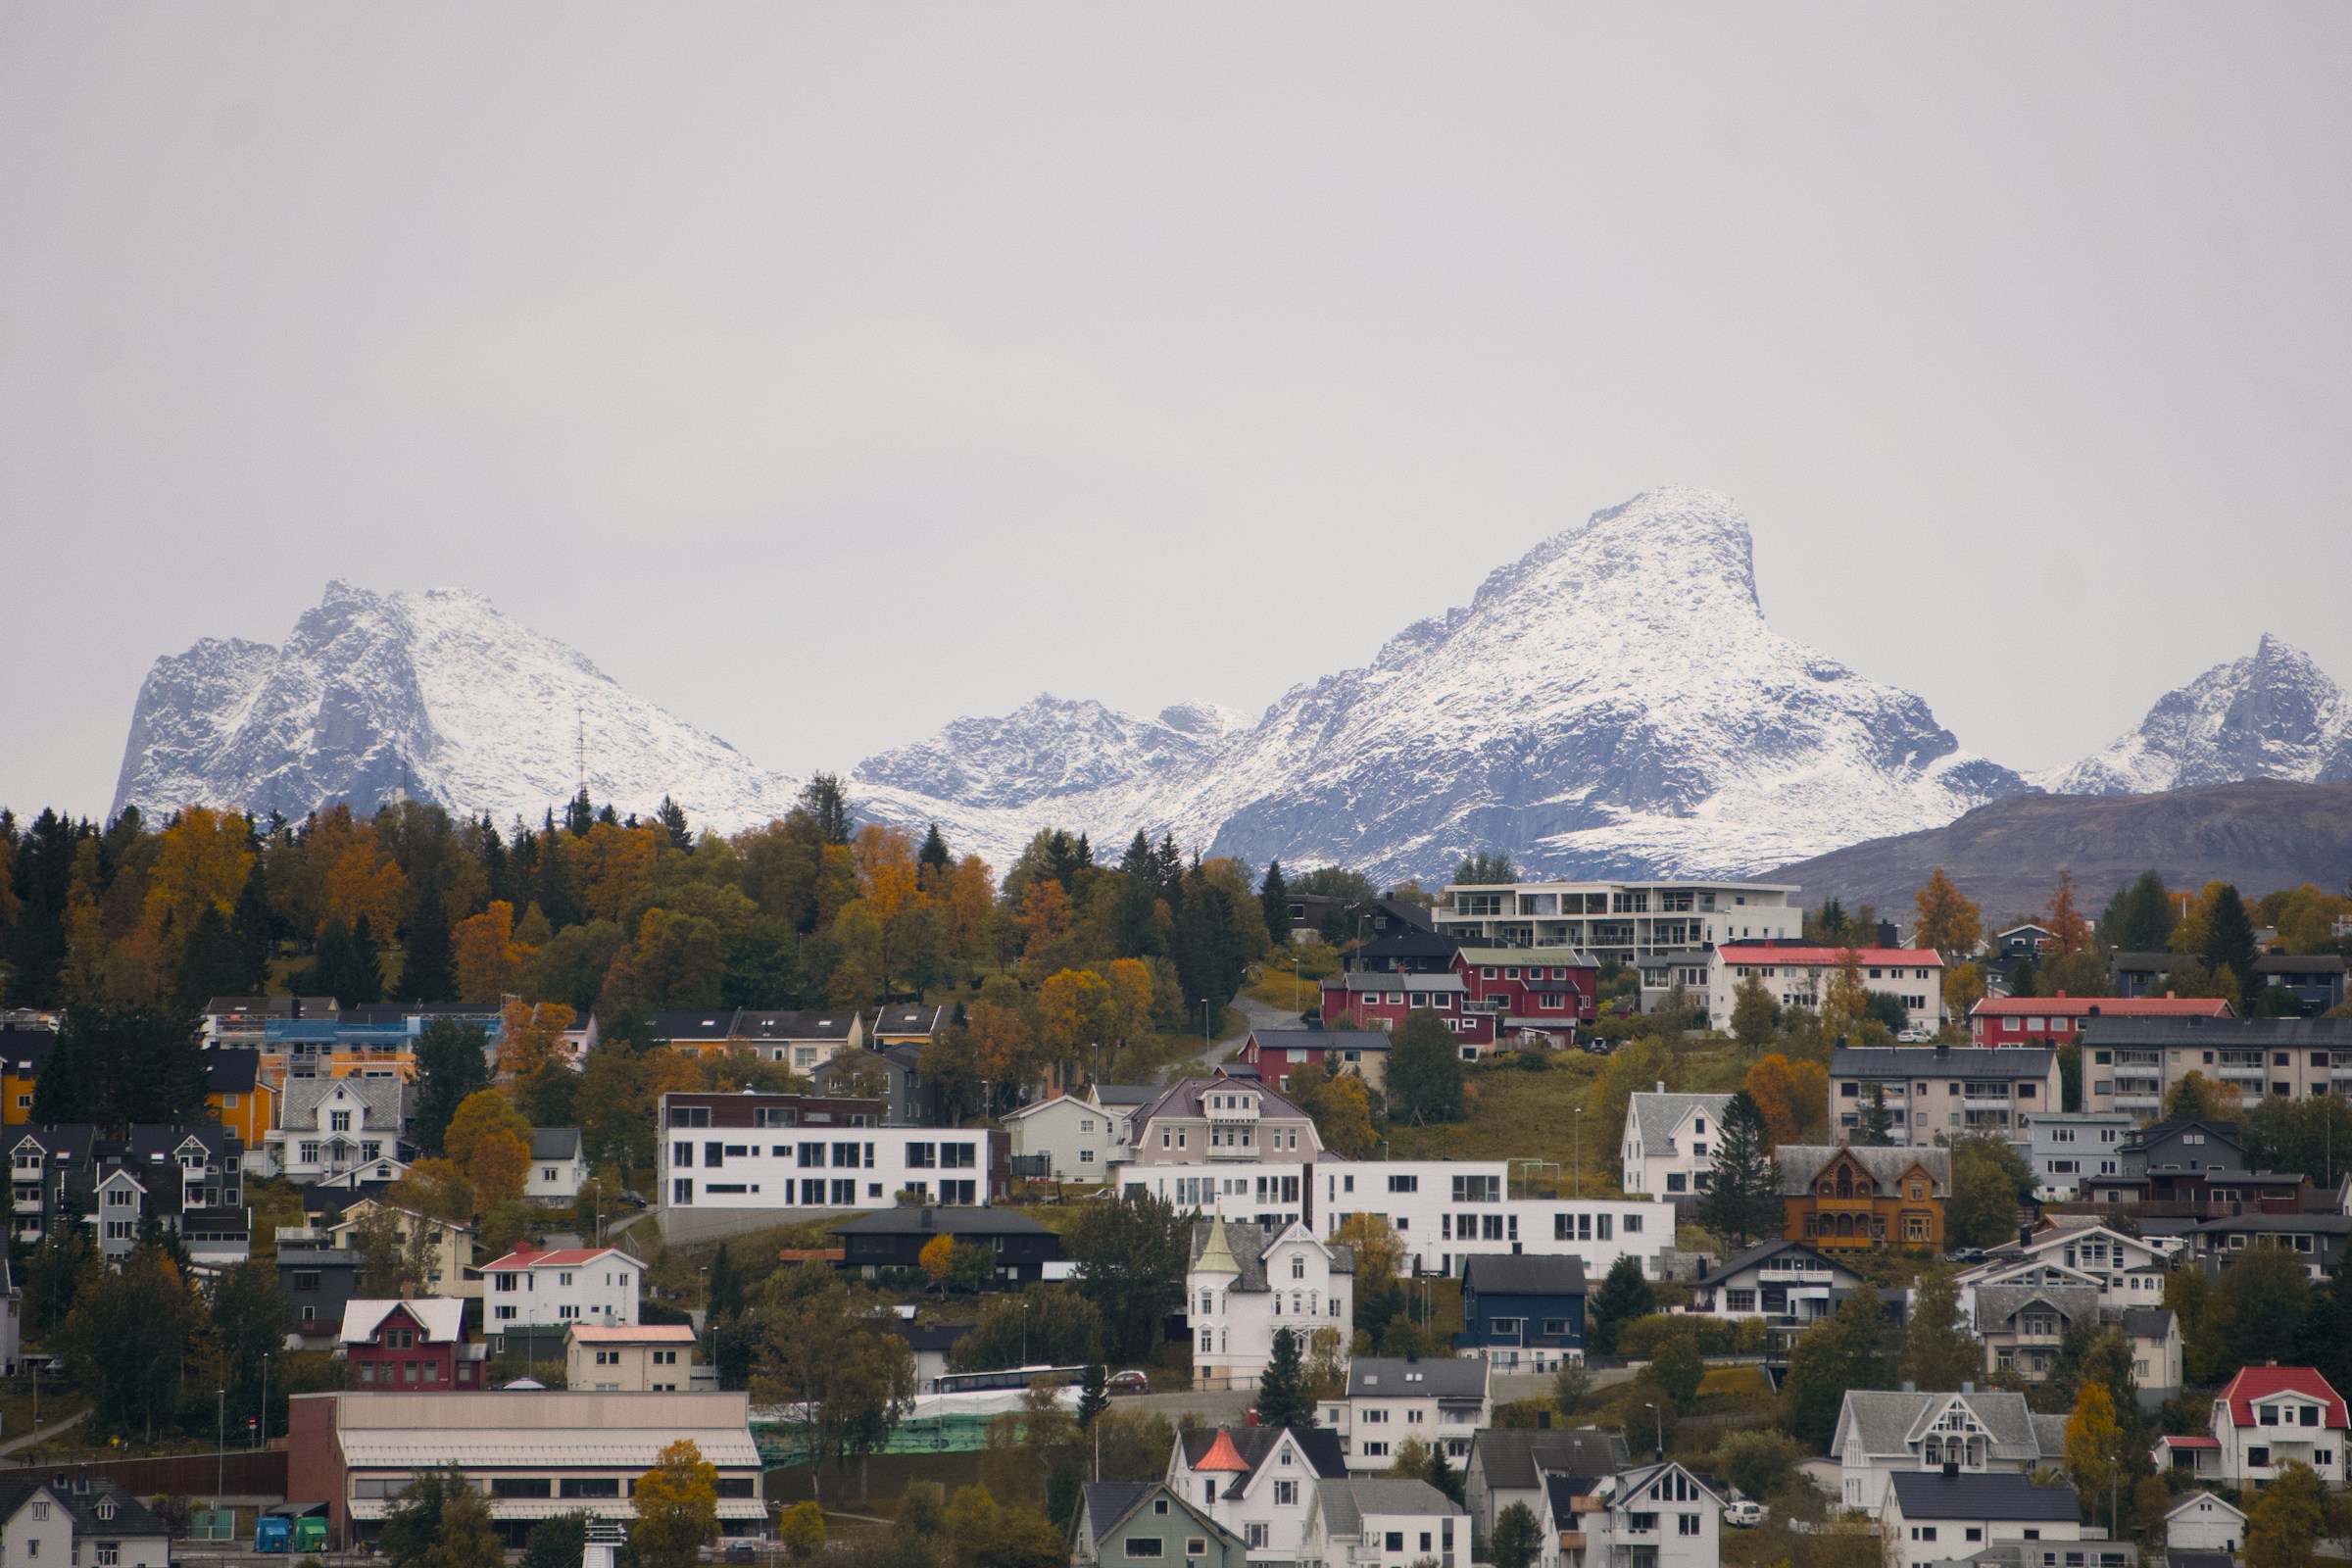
<point>23,1051</point>
<point>238,1094</point>
<point>1849,1196</point>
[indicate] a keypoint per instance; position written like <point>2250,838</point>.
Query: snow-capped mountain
<point>2275,715</point>
<point>434,696</point>
<point>1611,701</point>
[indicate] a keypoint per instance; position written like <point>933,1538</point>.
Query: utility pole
<point>221,1449</point>
<point>261,1430</point>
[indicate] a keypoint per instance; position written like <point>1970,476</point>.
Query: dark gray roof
<point>1391,980</point>
<point>2226,1033</point>
<point>317,1257</point>
<point>2147,1322</point>
<point>1384,1377</point>
<point>1768,1250</point>
<point>1989,1494</point>
<point>1321,1039</point>
<point>2300,963</point>
<point>1126,1094</point>
<point>1801,1162</point>
<point>1183,1098</point>
<point>555,1143</point>
<point>940,1337</point>
<point>1936,1061</point>
<point>1255,1445</point>
<point>1996,1304</point>
<point>2281,1224</point>
<point>1345,1502</point>
<point>1509,1456</point>
<point>1250,1244</point>
<point>1109,1502</point>
<point>231,1070</point>
<point>1524,1274</point>
<point>949,1221</point>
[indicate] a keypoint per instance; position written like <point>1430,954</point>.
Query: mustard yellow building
<point>237,1093</point>
<point>23,1051</point>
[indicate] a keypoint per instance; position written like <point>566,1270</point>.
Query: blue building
<point>1523,1313</point>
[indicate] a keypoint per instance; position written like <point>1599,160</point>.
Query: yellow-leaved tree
<point>489,1140</point>
<point>678,1507</point>
<point>1948,922</point>
<point>489,959</point>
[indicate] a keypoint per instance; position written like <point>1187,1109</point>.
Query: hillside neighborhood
<point>1905,1241</point>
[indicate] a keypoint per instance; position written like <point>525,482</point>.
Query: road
<point>44,1434</point>
<point>1255,1014</point>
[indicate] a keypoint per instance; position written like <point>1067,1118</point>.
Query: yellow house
<point>21,1052</point>
<point>450,1257</point>
<point>236,1092</point>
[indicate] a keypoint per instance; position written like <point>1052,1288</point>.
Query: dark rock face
<point>2274,714</point>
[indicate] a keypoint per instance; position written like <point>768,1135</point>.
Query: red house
<point>1531,991</point>
<point>1380,1001</point>
<point>411,1345</point>
<point>2057,1020</point>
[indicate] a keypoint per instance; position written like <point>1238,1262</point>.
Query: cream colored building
<point>647,1358</point>
<point>449,1265</point>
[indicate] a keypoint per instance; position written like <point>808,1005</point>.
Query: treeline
<point>600,911</point>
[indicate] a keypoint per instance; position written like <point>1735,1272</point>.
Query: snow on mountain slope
<point>436,695</point>
<point>2275,715</point>
<point>1044,748</point>
<point>1611,701</point>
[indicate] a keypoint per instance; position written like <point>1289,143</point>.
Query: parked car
<point>1912,1036</point>
<point>1964,1254</point>
<point>1745,1514</point>
<point>1129,1381</point>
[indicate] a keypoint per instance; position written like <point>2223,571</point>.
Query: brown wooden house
<point>1848,1196</point>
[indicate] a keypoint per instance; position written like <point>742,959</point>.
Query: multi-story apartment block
<point>1799,976</point>
<point>1219,1120</point>
<point>1670,1143</point>
<point>1620,922</point>
<point>1441,1401</point>
<point>2067,1147</point>
<point>1938,1091</point>
<point>2058,1020</point>
<point>188,1179</point>
<point>1444,1211</point>
<point>2131,1064</point>
<point>800,1152</point>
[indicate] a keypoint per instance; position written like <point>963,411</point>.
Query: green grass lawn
<point>1526,1115</point>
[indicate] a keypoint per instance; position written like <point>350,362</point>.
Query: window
<point>521,1487</point>
<point>1395,1541</point>
<point>1285,1494</point>
<point>1196,1546</point>
<point>1143,1545</point>
<point>1641,1523</point>
<point>589,1486</point>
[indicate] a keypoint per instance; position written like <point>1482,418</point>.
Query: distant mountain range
<point>1612,702</point>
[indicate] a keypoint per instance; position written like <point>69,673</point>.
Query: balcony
<point>1230,1108</point>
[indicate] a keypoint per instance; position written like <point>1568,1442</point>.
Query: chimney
<point>2025,1234</point>
<point>1253,1415</point>
<point>2170,995</point>
<point>1910,1387</point>
<point>1543,1420</point>
<point>1661,1086</point>
<point>1951,1467</point>
<point>1968,1388</point>
<point>2061,995</point>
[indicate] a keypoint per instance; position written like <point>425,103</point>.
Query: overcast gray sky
<point>827,373</point>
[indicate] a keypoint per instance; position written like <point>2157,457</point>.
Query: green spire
<point>1217,1257</point>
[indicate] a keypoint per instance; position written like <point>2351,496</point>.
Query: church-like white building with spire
<point>1248,1283</point>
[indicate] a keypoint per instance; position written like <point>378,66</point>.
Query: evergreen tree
<point>579,814</point>
<point>1275,897</point>
<point>1442,1472</point>
<point>2145,922</point>
<point>726,1287</point>
<point>1205,947</point>
<point>365,985</point>
<point>2230,936</point>
<point>1484,870</point>
<point>1282,1398</point>
<point>428,970</point>
<point>670,816</point>
<point>552,892</point>
<point>496,864</point>
<point>1518,1539</point>
<point>1425,1069</point>
<point>1853,1350</point>
<point>36,941</point>
<point>1939,1351</point>
<point>934,852</point>
<point>452,1062</point>
<point>212,964</point>
<point>1094,1394</point>
<point>827,807</point>
<point>117,1068</point>
<point>1743,1201</point>
<point>255,925</point>
<point>1623,1297</point>
<point>1873,1126</point>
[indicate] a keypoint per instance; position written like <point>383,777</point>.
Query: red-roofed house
<point>2057,1020</point>
<point>2266,1416</point>
<point>531,1290</point>
<point>1800,976</point>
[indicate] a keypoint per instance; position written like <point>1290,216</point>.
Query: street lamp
<point>1577,1114</point>
<point>1207,1045</point>
<point>221,1449</point>
<point>1657,1410</point>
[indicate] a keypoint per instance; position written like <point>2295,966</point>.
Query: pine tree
<point>495,862</point>
<point>1282,1400</point>
<point>212,964</point>
<point>1939,1351</point>
<point>367,984</point>
<point>579,814</point>
<point>1442,1472</point>
<point>1874,1127</point>
<point>428,970</point>
<point>1275,897</point>
<point>671,816</point>
<point>255,926</point>
<point>726,1287</point>
<point>1425,1070</point>
<point>827,807</point>
<point>934,852</point>
<point>1623,1297</point>
<point>452,1062</point>
<point>1745,1199</point>
<point>2230,937</point>
<point>1518,1540</point>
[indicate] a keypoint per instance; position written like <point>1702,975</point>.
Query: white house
<point>1079,1137</point>
<point>1800,976</point>
<point>1384,1524</point>
<point>1257,1482</point>
<point>1659,1515</point>
<point>1507,1465</point>
<point>527,1289</point>
<point>786,1151</point>
<point>2263,1418</point>
<point>2155,1335</point>
<point>1247,1284</point>
<point>80,1521</point>
<point>1932,1516</point>
<point>1670,1143</point>
<point>559,1166</point>
<point>2126,1270</point>
<point>1440,1400</point>
<point>1881,1433</point>
<point>1784,1282</point>
<point>2203,1522</point>
<point>1219,1120</point>
<point>2067,1148</point>
<point>328,1125</point>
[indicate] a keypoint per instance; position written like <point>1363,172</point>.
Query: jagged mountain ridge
<point>436,697</point>
<point>2274,714</point>
<point>1613,701</point>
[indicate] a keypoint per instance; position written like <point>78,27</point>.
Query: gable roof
<point>1801,1164</point>
<point>910,1221</point>
<point>1508,1456</point>
<point>1982,1495</point>
<point>1890,1422</point>
<point>1525,1273</point>
<point>1320,1039</point>
<point>2261,1381</point>
<point>1250,1244</point>
<point>1655,1116</point>
<point>1765,1254</point>
<point>1996,1304</point>
<point>1385,1377</point>
<point>1109,1095</point>
<point>2193,1499</point>
<point>380,1097</point>
<point>1631,1482</point>
<point>1345,1502</point>
<point>555,1143</point>
<point>2147,1322</point>
<point>231,1070</point>
<point>442,1317</point>
<point>523,1257</point>
<point>1256,1445</point>
<point>1183,1098</point>
<point>107,1509</point>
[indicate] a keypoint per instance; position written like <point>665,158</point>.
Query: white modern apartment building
<point>1622,922</point>
<point>1800,976</point>
<point>1445,1211</point>
<point>1668,1147</point>
<point>794,1151</point>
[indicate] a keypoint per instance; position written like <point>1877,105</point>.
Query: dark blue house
<point>1523,1313</point>
<point>2316,980</point>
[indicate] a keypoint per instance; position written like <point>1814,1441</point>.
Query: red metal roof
<point>2122,1006</point>
<point>1222,1454</point>
<point>1917,958</point>
<point>2260,1382</point>
<point>570,1258</point>
<point>2190,1442</point>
